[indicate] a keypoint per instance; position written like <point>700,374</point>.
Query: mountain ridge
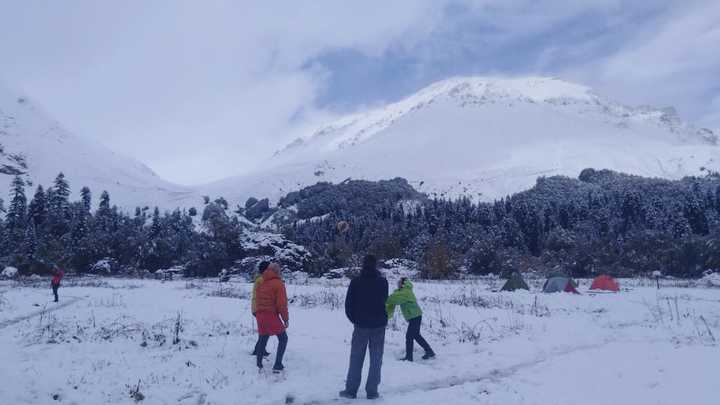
<point>487,137</point>
<point>483,90</point>
<point>475,136</point>
<point>36,147</point>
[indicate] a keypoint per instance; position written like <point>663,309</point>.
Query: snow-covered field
<point>107,339</point>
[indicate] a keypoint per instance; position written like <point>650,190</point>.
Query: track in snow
<point>453,381</point>
<point>66,302</point>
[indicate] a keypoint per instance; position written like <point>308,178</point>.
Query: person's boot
<point>278,368</point>
<point>407,358</point>
<point>428,355</point>
<point>347,394</point>
<point>373,395</point>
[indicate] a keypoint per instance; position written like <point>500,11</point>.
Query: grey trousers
<point>362,339</point>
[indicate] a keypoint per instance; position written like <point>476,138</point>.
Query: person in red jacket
<point>271,313</point>
<point>58,275</point>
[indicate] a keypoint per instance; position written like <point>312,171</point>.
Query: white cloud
<point>204,90</point>
<point>199,90</point>
<point>671,60</point>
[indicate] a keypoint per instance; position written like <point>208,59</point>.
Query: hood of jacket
<point>270,274</point>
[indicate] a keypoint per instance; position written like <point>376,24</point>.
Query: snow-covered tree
<point>37,210</point>
<point>16,217</point>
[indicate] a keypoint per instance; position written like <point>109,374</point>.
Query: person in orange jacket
<point>253,306</point>
<point>271,313</point>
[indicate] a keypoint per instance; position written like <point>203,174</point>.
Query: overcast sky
<point>201,90</point>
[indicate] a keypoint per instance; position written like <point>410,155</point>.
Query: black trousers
<point>262,344</point>
<point>413,335</point>
<point>257,344</point>
<point>55,291</point>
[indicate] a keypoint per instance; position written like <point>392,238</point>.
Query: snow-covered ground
<point>640,346</point>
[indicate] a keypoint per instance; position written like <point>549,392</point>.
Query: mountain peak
<point>533,88</point>
<point>488,137</point>
<point>478,92</point>
<point>36,147</point>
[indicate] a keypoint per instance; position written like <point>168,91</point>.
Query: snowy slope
<point>486,137</point>
<point>38,148</point>
<point>109,337</point>
<point>476,136</point>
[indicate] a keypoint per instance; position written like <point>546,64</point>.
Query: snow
<point>269,241</point>
<point>711,279</point>
<point>48,149</point>
<point>643,345</point>
<point>9,272</point>
<point>102,266</point>
<point>486,138</point>
<point>482,137</point>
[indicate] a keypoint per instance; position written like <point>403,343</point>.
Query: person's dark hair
<point>402,281</point>
<point>369,266</point>
<point>263,266</point>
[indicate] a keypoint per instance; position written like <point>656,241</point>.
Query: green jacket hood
<point>405,298</point>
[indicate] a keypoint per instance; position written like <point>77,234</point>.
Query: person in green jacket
<point>405,297</point>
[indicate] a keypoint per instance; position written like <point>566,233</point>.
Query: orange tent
<point>606,283</point>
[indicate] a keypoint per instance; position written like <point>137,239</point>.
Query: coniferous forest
<point>46,228</point>
<point>602,222</point>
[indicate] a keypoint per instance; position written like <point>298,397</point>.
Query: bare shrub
<point>135,393</point>
<point>325,298</point>
<point>3,301</point>
<point>122,327</point>
<point>470,334</point>
<point>114,301</point>
<point>178,328</point>
<point>229,292</point>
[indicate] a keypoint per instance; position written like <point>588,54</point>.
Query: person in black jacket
<point>365,308</point>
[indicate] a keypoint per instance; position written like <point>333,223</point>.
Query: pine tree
<point>59,199</point>
<point>59,215</point>
<point>37,209</point>
<point>86,198</point>
<point>156,226</point>
<point>104,206</point>
<point>62,188</point>
<point>17,212</point>
<point>30,243</point>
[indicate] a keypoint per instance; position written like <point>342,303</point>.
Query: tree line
<point>47,228</point>
<point>602,222</point>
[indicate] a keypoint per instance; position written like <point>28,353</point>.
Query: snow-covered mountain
<point>486,137</point>
<point>37,148</point>
<point>482,137</point>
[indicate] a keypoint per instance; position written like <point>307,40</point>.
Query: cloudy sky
<point>200,90</point>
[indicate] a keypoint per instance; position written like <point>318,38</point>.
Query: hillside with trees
<point>602,222</point>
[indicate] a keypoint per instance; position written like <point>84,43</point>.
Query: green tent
<point>515,282</point>
<point>560,284</point>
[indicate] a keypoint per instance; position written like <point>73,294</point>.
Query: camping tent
<point>605,282</point>
<point>560,284</point>
<point>515,282</point>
